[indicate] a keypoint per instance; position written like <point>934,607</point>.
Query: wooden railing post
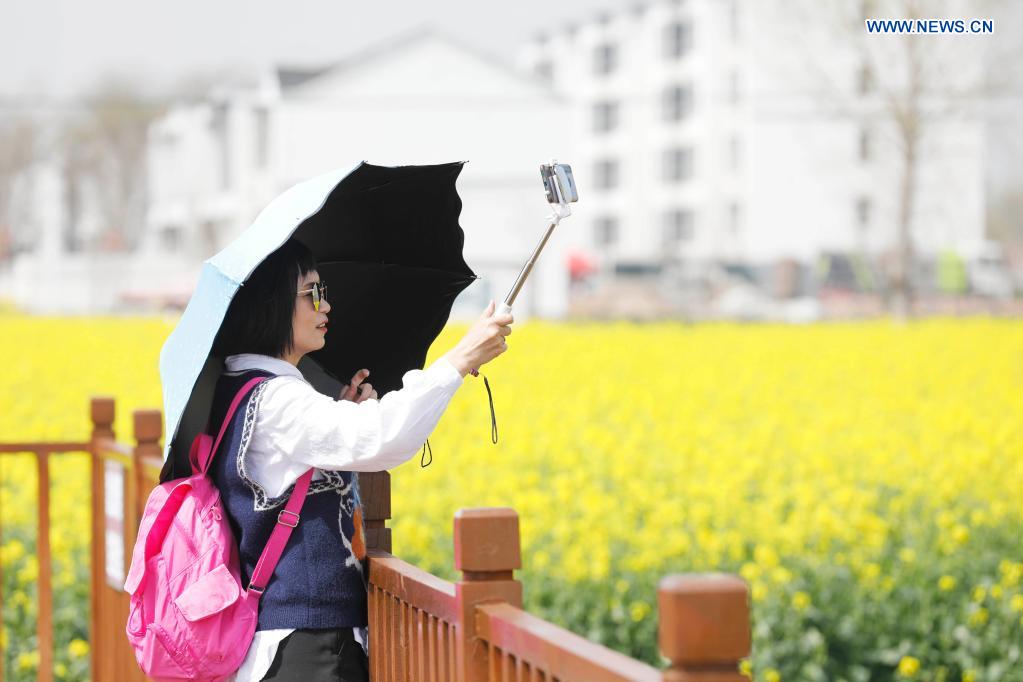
<point>704,627</point>
<point>487,551</point>
<point>102,415</point>
<point>375,493</point>
<point>148,429</point>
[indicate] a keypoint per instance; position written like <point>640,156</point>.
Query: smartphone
<point>559,183</point>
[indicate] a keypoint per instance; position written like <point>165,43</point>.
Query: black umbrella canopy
<point>388,244</point>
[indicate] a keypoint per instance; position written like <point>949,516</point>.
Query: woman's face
<point>308,326</point>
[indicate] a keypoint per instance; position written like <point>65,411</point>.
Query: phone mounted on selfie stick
<point>559,186</point>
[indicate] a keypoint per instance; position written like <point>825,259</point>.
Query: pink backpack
<point>189,617</point>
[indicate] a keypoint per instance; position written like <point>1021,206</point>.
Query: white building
<point>705,135</point>
<point>417,100</point>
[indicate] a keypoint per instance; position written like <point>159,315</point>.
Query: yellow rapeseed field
<point>864,478</point>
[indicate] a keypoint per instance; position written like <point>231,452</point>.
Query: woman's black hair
<point>259,318</point>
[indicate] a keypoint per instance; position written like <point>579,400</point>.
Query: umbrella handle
<point>502,309</point>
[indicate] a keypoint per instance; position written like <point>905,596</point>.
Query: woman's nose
<point>324,305</point>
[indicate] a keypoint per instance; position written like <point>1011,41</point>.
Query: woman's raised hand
<point>483,342</point>
<point>356,393</point>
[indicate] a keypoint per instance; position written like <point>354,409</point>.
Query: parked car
<point>989,273</point>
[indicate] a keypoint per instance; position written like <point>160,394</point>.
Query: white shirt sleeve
<point>314,430</point>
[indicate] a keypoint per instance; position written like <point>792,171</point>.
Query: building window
<point>605,59</point>
<point>605,231</point>
<point>865,79</point>
<point>262,137</point>
<point>734,218</point>
<point>676,102</point>
<point>677,164</point>
<point>865,146</point>
<point>219,128</point>
<point>605,116</point>
<point>544,70</point>
<point>734,152</point>
<point>678,226</point>
<point>678,39</point>
<point>605,173</point>
<point>171,238</point>
<point>734,21</point>
<point>863,211</point>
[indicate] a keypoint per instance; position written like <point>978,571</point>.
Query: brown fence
<point>426,629</point>
<point>422,628</point>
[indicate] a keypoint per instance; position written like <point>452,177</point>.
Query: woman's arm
<point>318,431</point>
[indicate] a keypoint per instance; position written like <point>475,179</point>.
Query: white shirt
<point>297,428</point>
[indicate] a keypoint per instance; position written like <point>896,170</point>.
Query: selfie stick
<point>561,210</point>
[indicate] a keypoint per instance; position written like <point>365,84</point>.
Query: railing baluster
<point>394,638</point>
<point>420,644</point>
<point>374,624</point>
<point>431,648</point>
<point>44,584</point>
<point>2,653</point>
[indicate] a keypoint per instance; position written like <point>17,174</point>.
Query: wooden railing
<point>425,629</point>
<point>44,582</point>
<point>422,628</point>
<point>130,473</point>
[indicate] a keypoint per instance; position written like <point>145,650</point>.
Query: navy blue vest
<point>319,581</point>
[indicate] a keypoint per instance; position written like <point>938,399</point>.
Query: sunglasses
<point>319,292</point>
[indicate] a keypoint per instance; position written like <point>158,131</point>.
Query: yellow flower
<point>772,675</point>
<point>801,601</point>
<point>946,583</point>
<point>750,571</point>
<point>969,676</point>
<point>1011,572</point>
<point>1016,603</point>
<point>78,648</point>
<point>979,593</point>
<point>871,571</point>
<point>639,610</point>
<point>746,668</point>
<point>909,666</point>
<point>60,670</point>
<point>979,617</point>
<point>907,555</point>
<point>28,660</point>
<point>12,552</point>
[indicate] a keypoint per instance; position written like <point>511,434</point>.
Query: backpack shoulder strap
<point>204,447</point>
<point>287,521</point>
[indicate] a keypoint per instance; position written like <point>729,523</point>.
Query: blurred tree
<point>906,85</point>
<point>18,151</point>
<point>105,149</point>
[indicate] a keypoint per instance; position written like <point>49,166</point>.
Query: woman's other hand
<point>483,342</point>
<point>356,392</point>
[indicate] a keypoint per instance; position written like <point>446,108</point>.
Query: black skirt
<point>319,656</point>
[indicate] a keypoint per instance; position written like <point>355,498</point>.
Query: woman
<point>312,616</point>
